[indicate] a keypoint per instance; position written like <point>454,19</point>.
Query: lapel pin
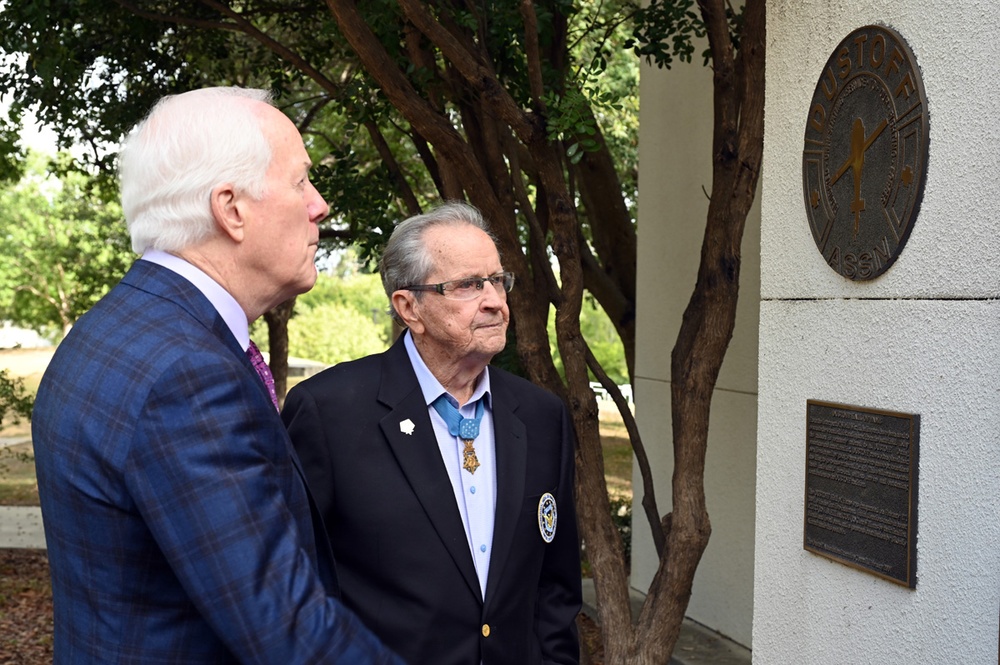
<point>406,426</point>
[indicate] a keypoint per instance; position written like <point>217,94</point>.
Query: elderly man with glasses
<point>446,486</point>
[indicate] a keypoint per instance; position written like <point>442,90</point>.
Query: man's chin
<point>495,342</point>
<point>308,281</point>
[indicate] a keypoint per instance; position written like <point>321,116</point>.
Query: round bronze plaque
<point>865,155</point>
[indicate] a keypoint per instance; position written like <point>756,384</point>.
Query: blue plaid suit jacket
<point>177,521</point>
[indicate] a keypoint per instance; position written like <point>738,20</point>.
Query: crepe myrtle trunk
<point>277,343</point>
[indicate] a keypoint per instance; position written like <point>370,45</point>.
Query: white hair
<point>173,159</point>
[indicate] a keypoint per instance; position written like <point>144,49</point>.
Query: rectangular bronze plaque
<point>861,488</point>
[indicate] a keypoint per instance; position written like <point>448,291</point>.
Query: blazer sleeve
<point>559,592</point>
<point>211,472</point>
<point>305,429</point>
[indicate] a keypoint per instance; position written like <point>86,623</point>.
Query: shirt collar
<point>431,387</point>
<point>225,304</point>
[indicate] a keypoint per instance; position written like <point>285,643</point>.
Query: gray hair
<point>406,260</point>
<point>187,146</point>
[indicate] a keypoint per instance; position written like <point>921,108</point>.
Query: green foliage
<point>356,190</point>
<point>602,338</point>
<point>61,248</point>
<point>621,517</point>
<point>99,83</point>
<point>372,166</point>
<point>340,319</point>
<point>603,91</point>
<point>12,155</point>
<point>571,120</point>
<point>15,402</point>
<point>358,291</point>
<point>333,333</point>
<point>91,89</point>
<point>665,29</point>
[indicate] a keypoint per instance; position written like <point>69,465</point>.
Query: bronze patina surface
<point>861,488</point>
<point>865,156</point>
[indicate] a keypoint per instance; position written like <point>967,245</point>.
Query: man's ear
<point>227,211</point>
<point>407,306</point>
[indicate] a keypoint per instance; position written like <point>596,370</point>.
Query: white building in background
<point>923,338</point>
<point>675,149</point>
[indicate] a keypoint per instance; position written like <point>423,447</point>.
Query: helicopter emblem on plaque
<point>865,157</point>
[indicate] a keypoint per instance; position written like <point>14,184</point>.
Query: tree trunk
<point>277,345</point>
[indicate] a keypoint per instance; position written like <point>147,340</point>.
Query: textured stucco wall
<point>922,338</point>
<point>675,148</point>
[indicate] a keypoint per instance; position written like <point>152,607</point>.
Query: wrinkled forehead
<point>461,250</point>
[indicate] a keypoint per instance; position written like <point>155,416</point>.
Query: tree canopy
<point>61,248</point>
<point>523,108</point>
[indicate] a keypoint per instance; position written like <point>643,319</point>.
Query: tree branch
<point>437,130</point>
<point>385,152</point>
<point>239,23</point>
<point>476,74</point>
<point>532,52</point>
<point>648,488</point>
<point>172,18</point>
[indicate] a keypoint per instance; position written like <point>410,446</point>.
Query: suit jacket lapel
<point>165,283</point>
<point>511,442</point>
<point>419,457</point>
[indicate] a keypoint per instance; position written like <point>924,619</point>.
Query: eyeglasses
<point>468,288</point>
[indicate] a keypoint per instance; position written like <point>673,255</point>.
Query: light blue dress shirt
<point>475,494</point>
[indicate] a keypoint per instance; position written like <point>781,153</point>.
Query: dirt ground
<point>25,608</point>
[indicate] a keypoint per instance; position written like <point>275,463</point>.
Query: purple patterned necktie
<point>253,353</point>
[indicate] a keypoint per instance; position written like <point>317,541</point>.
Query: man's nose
<point>316,205</point>
<point>493,295</point>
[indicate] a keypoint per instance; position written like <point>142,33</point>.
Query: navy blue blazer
<point>402,553</point>
<point>178,525</point>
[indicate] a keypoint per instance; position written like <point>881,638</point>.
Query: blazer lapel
<point>419,457</point>
<point>165,283</point>
<point>511,442</point>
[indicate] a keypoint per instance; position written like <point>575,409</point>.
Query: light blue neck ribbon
<point>464,428</point>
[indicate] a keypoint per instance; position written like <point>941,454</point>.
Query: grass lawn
<point>17,476</point>
<point>617,455</point>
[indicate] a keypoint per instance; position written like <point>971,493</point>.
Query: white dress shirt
<point>225,304</point>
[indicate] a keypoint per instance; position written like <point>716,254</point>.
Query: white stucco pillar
<point>923,338</point>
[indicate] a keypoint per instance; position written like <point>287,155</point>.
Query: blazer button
<point>486,630</point>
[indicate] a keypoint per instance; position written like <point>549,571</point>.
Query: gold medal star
<point>470,462</point>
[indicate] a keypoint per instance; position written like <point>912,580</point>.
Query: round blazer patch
<point>547,517</point>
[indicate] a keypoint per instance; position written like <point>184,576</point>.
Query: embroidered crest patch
<point>547,517</point>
